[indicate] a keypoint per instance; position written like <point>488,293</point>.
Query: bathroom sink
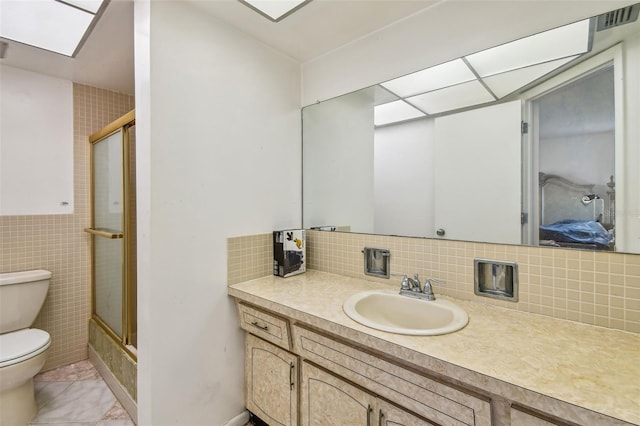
<point>386,310</point>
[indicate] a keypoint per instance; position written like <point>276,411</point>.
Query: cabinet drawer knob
<point>261,327</point>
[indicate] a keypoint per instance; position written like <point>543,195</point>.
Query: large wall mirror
<point>532,142</point>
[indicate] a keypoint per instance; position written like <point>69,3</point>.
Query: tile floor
<point>76,395</point>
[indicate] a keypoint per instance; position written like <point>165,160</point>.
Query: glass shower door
<point>113,231</point>
<point>108,230</point>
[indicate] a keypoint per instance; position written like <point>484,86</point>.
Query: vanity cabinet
<point>327,400</point>
<point>429,398</point>
<point>271,382</point>
<point>341,370</point>
<point>271,370</point>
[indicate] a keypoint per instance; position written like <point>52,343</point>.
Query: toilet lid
<point>17,345</point>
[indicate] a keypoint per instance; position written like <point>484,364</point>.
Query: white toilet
<point>22,349</point>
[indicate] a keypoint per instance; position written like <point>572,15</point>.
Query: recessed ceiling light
<point>275,10</point>
<point>57,26</point>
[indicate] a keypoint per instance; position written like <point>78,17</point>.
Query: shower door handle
<point>104,233</point>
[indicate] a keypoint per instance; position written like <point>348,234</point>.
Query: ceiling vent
<point>618,17</point>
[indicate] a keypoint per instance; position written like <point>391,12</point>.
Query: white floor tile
<point>46,391</point>
<point>82,401</point>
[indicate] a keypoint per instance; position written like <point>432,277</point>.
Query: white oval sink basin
<point>386,310</point>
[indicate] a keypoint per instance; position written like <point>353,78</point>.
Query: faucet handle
<point>405,281</point>
<point>433,280</point>
<point>416,285</point>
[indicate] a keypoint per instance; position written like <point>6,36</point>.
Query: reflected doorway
<point>573,144</point>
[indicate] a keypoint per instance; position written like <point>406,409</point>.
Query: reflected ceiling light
<point>393,112</point>
<point>506,83</point>
<point>57,26</point>
<point>434,78</point>
<point>382,95</point>
<point>569,40</point>
<point>454,97</point>
<point>494,73</point>
<point>275,10</point>
<point>91,6</point>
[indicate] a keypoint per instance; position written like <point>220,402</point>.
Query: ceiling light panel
<point>394,112</point>
<point>275,9</point>
<point>382,96</point>
<point>452,98</point>
<point>434,78</point>
<point>89,5</point>
<point>506,83</point>
<point>46,24</point>
<point>562,42</point>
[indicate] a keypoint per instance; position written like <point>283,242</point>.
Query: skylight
<point>489,75</point>
<point>53,25</point>
<point>275,10</point>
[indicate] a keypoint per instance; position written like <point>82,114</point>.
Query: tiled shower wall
<point>57,242</point>
<point>591,287</point>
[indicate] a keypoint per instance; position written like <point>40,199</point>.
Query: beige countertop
<point>520,356</point>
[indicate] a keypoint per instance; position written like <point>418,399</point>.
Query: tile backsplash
<point>596,288</point>
<point>57,242</point>
<point>249,257</point>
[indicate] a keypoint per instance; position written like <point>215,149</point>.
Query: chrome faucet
<point>411,287</point>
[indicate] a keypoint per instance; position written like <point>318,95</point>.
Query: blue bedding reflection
<point>577,231</point>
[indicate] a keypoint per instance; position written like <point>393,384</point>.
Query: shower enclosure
<point>113,231</point>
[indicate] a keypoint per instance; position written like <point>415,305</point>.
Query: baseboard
<point>239,420</point>
<point>118,390</point>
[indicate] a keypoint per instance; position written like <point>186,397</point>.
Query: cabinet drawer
<point>522,416</point>
<point>426,397</point>
<point>266,325</point>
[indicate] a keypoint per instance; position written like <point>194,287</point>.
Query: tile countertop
<point>587,366</point>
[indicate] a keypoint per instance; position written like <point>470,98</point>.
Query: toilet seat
<point>21,345</point>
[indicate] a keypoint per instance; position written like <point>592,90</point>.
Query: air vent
<point>618,17</point>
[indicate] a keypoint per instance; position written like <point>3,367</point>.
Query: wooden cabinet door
<point>327,400</point>
<point>390,415</point>
<point>270,382</point>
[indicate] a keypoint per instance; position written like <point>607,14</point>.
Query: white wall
<point>403,179</point>
<point>36,143</point>
<point>338,164</point>
<point>448,30</point>
<point>218,117</point>
<point>587,158</point>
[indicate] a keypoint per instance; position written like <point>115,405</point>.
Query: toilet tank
<point>22,295</point>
